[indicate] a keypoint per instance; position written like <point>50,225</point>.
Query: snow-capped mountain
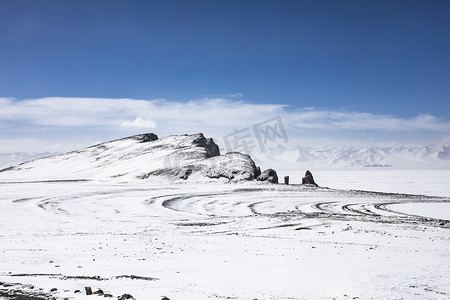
<point>358,156</point>
<point>141,157</point>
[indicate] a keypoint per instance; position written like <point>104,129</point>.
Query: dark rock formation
<point>147,137</point>
<point>233,166</point>
<point>208,143</point>
<point>88,290</point>
<point>308,179</point>
<point>269,175</point>
<point>257,171</point>
<point>98,292</point>
<point>213,149</point>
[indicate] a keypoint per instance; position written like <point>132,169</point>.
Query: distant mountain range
<point>357,156</point>
<point>432,156</point>
<point>12,159</point>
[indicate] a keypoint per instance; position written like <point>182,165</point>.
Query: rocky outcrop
<point>233,166</point>
<point>207,143</point>
<point>269,175</point>
<point>146,137</point>
<point>308,179</point>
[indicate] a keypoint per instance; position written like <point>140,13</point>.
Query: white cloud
<point>50,118</point>
<point>139,122</point>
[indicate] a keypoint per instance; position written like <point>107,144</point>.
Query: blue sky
<point>382,59</point>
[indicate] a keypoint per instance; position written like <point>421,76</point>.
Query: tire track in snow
<point>351,205</point>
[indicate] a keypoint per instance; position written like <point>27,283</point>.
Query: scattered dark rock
<point>269,175</point>
<point>88,290</point>
<point>186,174</point>
<point>107,295</point>
<point>77,292</point>
<point>125,296</point>
<point>98,292</point>
<point>147,137</point>
<point>165,298</point>
<point>308,179</point>
<point>53,290</point>
<point>83,277</point>
<point>21,295</point>
<point>6,284</point>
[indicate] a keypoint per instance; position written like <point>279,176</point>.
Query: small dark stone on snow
<point>77,292</point>
<point>88,290</point>
<point>53,290</point>
<point>125,296</point>
<point>165,298</point>
<point>98,292</point>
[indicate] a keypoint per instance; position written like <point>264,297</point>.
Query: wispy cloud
<point>48,118</point>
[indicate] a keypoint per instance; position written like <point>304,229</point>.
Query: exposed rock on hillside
<point>147,137</point>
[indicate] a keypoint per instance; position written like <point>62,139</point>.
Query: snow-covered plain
<point>215,239</point>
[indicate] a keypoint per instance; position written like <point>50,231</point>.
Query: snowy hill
<point>141,157</point>
<point>357,156</point>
